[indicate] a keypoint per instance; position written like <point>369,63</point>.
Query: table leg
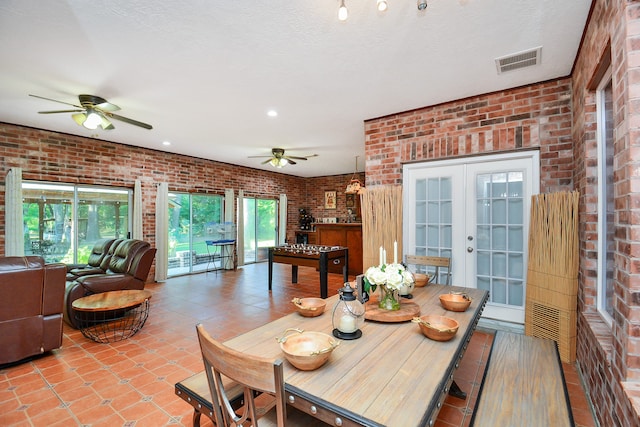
<point>455,391</point>
<point>196,418</point>
<point>294,273</point>
<point>345,267</point>
<point>324,276</point>
<point>270,267</point>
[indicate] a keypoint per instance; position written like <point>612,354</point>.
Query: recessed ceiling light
<point>272,113</point>
<point>166,143</point>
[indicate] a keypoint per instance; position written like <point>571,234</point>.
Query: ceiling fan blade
<point>55,100</point>
<point>291,162</point>
<point>60,111</point>
<point>127,120</point>
<point>107,106</point>
<point>295,157</point>
<point>266,161</point>
<point>259,157</point>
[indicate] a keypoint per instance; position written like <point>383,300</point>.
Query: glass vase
<point>389,298</point>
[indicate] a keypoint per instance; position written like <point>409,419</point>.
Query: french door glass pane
<point>434,217</point>
<point>500,240</point>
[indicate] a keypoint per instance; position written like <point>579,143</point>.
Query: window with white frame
<point>606,229</point>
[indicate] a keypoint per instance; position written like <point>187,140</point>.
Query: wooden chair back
<point>431,264</point>
<point>259,376</point>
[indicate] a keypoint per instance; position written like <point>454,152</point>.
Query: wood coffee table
<point>112,316</point>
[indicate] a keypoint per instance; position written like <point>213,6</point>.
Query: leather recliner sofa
<point>31,305</point>
<point>128,269</point>
<point>98,261</point>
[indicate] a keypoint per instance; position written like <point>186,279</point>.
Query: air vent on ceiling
<point>518,60</point>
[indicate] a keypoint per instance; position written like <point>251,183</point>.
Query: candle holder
<point>348,315</point>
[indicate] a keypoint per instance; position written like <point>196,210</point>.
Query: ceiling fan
<point>92,112</point>
<point>278,159</point>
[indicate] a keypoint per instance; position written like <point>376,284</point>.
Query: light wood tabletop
<point>392,376</point>
<point>111,300</point>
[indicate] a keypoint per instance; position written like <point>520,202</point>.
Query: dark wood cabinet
<point>349,235</point>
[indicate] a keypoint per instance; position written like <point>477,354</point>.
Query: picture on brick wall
<point>329,199</point>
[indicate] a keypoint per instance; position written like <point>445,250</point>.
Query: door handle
<point>469,249</point>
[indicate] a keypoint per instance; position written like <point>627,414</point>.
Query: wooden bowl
<point>309,307</point>
<point>307,350</point>
<point>421,279</point>
<point>438,328</point>
<point>455,301</point>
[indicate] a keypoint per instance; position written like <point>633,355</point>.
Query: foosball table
<point>325,258</point>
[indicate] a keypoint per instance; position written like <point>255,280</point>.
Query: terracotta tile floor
<point>131,382</point>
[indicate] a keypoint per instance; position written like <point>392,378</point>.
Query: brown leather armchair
<point>128,269</point>
<point>31,302</point>
<point>98,262</point>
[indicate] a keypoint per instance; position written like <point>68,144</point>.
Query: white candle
<point>395,252</point>
<point>347,324</point>
<point>380,257</point>
<point>384,255</point>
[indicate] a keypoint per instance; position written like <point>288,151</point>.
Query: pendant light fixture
<point>355,186</point>
<point>343,13</point>
<point>381,5</point>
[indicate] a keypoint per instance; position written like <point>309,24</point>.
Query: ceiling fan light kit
<point>278,159</point>
<point>279,163</point>
<point>92,112</point>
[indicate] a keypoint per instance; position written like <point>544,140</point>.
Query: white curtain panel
<point>13,221</point>
<point>162,231</point>
<point>137,210</point>
<point>228,217</point>
<point>240,228</point>
<point>228,205</point>
<point>282,222</point>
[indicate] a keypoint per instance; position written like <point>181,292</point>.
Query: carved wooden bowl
<point>309,307</point>
<point>307,350</point>
<point>438,328</point>
<point>455,301</point>
<point>421,279</point>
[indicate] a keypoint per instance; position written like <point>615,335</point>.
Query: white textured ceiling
<point>204,73</point>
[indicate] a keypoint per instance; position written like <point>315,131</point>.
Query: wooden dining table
<point>392,376</point>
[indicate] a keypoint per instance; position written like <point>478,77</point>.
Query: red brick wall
<point>609,355</point>
<point>558,117</point>
<point>315,195</point>
<point>55,157</point>
<point>533,116</point>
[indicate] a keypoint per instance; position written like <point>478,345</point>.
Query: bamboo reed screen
<point>552,277</point>
<point>381,223</point>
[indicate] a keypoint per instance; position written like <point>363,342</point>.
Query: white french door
<point>476,211</point>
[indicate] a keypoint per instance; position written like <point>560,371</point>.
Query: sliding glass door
<point>260,228</point>
<point>192,221</point>
<point>63,222</point>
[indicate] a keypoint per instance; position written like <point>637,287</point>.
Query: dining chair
<point>431,265</point>
<point>262,380</point>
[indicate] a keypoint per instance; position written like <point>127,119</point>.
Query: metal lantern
<point>348,315</point>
